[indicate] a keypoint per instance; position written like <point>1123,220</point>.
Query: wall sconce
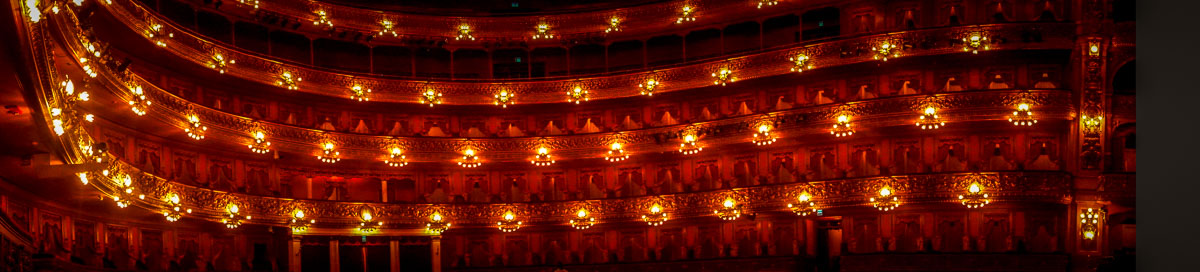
<point>723,76</point>
<point>689,146</point>
<point>35,15</point>
<point>804,204</point>
<point>649,86</point>
<point>616,153</point>
<point>174,210</point>
<point>323,19</point>
<point>359,93</point>
<point>157,34</point>
<point>614,25</point>
<point>929,119</point>
<point>1094,48</point>
<point>975,196</point>
<point>509,222</point>
<point>1089,222</point>
<point>83,177</point>
<point>260,144</point>
<point>577,94</point>
<point>887,200</point>
<point>976,42</point>
<point>250,3</point>
<point>329,154</point>
<point>124,195</point>
<point>298,224</point>
<point>437,224</point>
<point>1092,124</point>
<point>368,222</point>
<point>800,62</point>
<point>656,216</point>
<point>195,129</point>
<point>886,50</point>
<point>1023,116</point>
<point>388,27</point>
<point>583,220</point>
<point>139,103</point>
<point>286,80</point>
<point>431,96</point>
<point>396,158</point>
<point>469,160</point>
<point>686,14</point>
<point>729,210</point>
<point>503,98</point>
<point>219,62</point>
<point>232,219</point>
<point>842,127</point>
<point>542,31</point>
<point>543,157</point>
<point>464,33</point>
<point>762,3</point>
<point>87,68</point>
<point>763,136</point>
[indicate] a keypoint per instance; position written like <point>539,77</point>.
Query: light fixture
<point>233,218</point>
<point>763,136</point>
<point>649,86</point>
<point>689,145</point>
<point>976,42</point>
<point>729,210</point>
<point>253,3</point>
<point>1094,49</point>
<point>83,177</point>
<point>298,224</point>
<point>542,31</point>
<point>138,102</point>
<point>288,81</point>
<point>431,97</point>
<point>543,157</point>
<point>886,200</point>
<point>800,62</point>
<point>437,224</point>
<point>768,3</point>
<point>159,35</point>
<point>503,98</point>
<point>577,94</point>
<point>1091,123</point>
<point>469,160</point>
<point>464,33</point>
<point>359,93</point>
<point>329,154</point>
<point>804,204</point>
<point>219,62</point>
<point>368,222</point>
<point>583,220</point>
<point>509,222</point>
<point>323,19</point>
<point>929,119</point>
<point>1089,222</point>
<point>686,14</point>
<point>842,127</point>
<point>1023,116</point>
<point>723,76</point>
<point>656,216</point>
<point>975,196</point>
<point>885,51</point>
<point>616,153</point>
<point>260,144</point>
<point>614,25</point>
<point>124,195</point>
<point>396,158</point>
<point>195,129</point>
<point>35,15</point>
<point>388,27</point>
<point>87,68</point>
<point>174,209</point>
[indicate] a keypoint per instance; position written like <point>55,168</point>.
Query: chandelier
<point>174,210</point>
<point>614,25</point>
<point>842,127</point>
<point>437,224</point>
<point>323,19</point>
<point>396,158</point>
<point>1089,221</point>
<point>616,153</point>
<point>195,129</point>
<point>87,68</point>
<point>157,34</point>
<point>723,76</point>
<point>975,196</point>
<point>542,31</point>
<point>139,103</point>
<point>762,3</point>
<point>368,223</point>
<point>729,210</point>
<point>298,224</point>
<point>930,119</point>
<point>1022,116</point>
<point>469,160</point>
<point>975,42</point>
<point>249,2</point>
<point>886,50</point>
<point>504,98</point>
<point>582,220</point>
<point>763,136</point>
<point>232,217</point>
<point>218,62</point>
<point>286,80</point>
<point>1091,124</point>
<point>260,144</point>
<point>543,157</point>
<point>686,15</point>
<point>124,195</point>
<point>358,93</point>
<point>804,205</point>
<point>431,96</point>
<point>649,86</point>
<point>388,27</point>
<point>800,62</point>
<point>329,154</point>
<point>577,94</point>
<point>689,146</point>
<point>509,222</point>
<point>656,216</point>
<point>464,33</point>
<point>83,177</point>
<point>887,200</point>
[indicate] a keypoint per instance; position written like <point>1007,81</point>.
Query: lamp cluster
<point>800,62</point>
<point>1089,222</point>
<point>157,34</point>
<point>233,218</point>
<point>430,97</point>
<point>729,210</point>
<point>975,196</point>
<point>542,31</point>
<point>1023,116</point>
<point>842,127</point>
<point>396,158</point>
<point>195,130</point>
<point>648,87</point>
<point>689,145</point>
<point>656,216</point>
<point>543,157</point>
<point>503,98</point>
<point>616,153</point>
<point>288,81</point>
<point>614,25</point>
<point>887,200</point>
<point>509,222</point>
<point>298,224</point>
<point>388,27</point>
<point>804,205</point>
<point>686,14</point>
<point>329,154</point>
<point>763,135</point>
<point>975,43</point>
<point>577,94</point>
<point>768,3</point>
<point>469,160</point>
<point>885,51</point>
<point>174,210</point>
<point>723,76</point>
<point>323,19</point>
<point>359,93</point>
<point>437,224</point>
<point>464,33</point>
<point>369,223</point>
<point>582,220</point>
<point>139,103</point>
<point>260,144</point>
<point>929,119</point>
<point>219,62</point>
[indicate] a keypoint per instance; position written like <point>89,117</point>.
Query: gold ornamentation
<point>288,81</point>
<point>437,224</point>
<point>885,51</point>
<point>219,62</point>
<point>359,93</point>
<point>298,223</point>
<point>1089,222</point>
<point>723,76</point>
<point>577,94</point>
<point>800,62</point>
<point>976,42</point>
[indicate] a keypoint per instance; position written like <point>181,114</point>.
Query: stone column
<point>436,247</point>
<point>334,259</point>
<point>394,252</point>
<point>294,254</point>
